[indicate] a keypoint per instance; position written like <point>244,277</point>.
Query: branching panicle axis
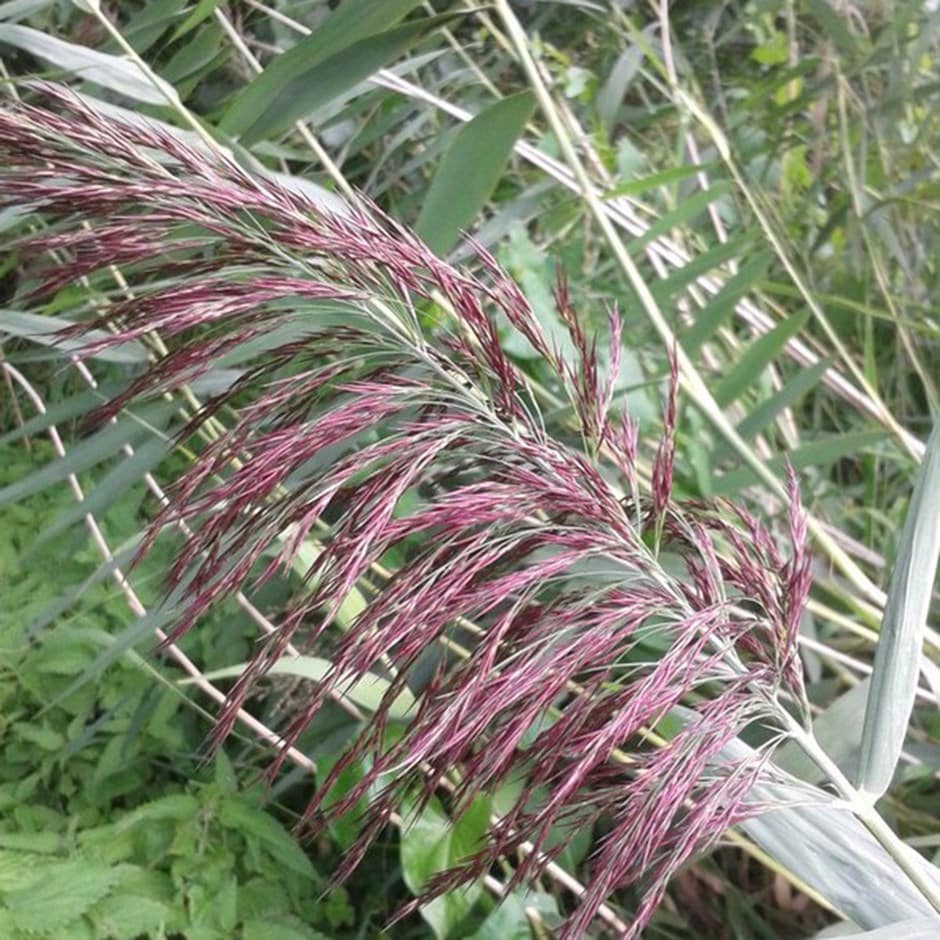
<point>548,617</point>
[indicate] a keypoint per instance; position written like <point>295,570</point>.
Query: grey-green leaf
<point>367,691</point>
<point>919,928</point>
<point>838,732</point>
<point>125,474</point>
<point>829,849</point>
<point>897,656</point>
<point>822,842</point>
<point>46,330</point>
<point>109,71</point>
<point>470,170</point>
<point>67,409</point>
<point>90,451</point>
<point>20,9</point>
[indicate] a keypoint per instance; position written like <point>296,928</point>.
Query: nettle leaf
<point>127,916</point>
<point>60,894</point>
<point>267,930</point>
<point>18,869</point>
<point>899,650</point>
<point>430,843</point>
<point>255,824</point>
<point>470,170</point>
<point>139,630</point>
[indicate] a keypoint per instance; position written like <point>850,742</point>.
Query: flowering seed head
<point>542,638</point>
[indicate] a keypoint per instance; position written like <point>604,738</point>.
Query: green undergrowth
<point>111,823</point>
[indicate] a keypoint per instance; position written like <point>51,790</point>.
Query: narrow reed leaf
<point>101,68</point>
<point>756,357</point>
<point>899,650</point>
<point>662,178</point>
<point>48,331</point>
<point>761,415</point>
<point>126,473</point>
<point>321,83</point>
<point>470,169</point>
<point>368,691</point>
<point>721,306</point>
<point>835,26</point>
<point>737,247</point>
<point>352,21</point>
<point>150,22</point>
<point>89,452</point>
<point>199,13</point>
<point>819,453</point>
<point>139,631</point>
<point>68,409</point>
<point>621,76</point>
<point>121,557</point>
<point>683,214</point>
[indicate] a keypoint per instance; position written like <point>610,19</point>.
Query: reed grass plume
<point>547,616</point>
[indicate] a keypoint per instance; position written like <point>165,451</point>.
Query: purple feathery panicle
<point>665,455</point>
<point>797,577</point>
<point>542,637</point>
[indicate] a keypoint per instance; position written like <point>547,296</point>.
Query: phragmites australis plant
<point>541,619</point>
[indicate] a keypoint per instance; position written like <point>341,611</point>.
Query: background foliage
<point>773,172</point>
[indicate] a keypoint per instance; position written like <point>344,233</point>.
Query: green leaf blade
<point>281,94</point>
<point>820,452</point>
<point>471,169</point>
<point>756,357</point>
